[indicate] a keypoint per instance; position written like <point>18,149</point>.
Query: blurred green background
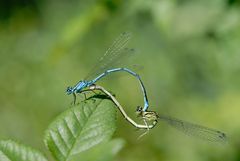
<point>189,51</point>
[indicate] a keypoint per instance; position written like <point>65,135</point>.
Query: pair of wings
<point>113,57</point>
<point>194,130</point>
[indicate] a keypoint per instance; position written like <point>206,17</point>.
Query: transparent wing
<point>195,130</point>
<point>115,54</point>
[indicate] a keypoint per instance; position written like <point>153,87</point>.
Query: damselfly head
<point>69,90</point>
<point>139,110</point>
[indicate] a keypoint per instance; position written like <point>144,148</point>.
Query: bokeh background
<point>189,51</point>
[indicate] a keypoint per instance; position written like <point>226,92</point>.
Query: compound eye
<point>139,109</point>
<point>69,90</point>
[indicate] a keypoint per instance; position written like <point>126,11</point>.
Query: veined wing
<point>115,54</point>
<point>195,130</point>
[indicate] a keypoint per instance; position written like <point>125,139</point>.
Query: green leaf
<point>81,127</point>
<point>13,151</point>
<point>101,152</point>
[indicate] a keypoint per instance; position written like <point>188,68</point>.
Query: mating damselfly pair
<point>109,64</point>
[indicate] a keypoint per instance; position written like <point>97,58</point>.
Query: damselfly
<point>152,118</point>
<point>107,64</point>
